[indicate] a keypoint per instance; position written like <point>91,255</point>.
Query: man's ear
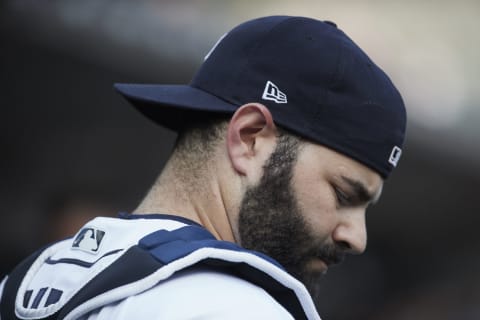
<point>251,137</point>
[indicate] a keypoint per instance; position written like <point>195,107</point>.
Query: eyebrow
<point>361,191</point>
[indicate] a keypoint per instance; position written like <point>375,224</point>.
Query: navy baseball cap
<point>312,77</point>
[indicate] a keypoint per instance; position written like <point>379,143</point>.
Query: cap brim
<point>171,105</point>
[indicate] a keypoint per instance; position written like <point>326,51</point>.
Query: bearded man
<point>286,134</point>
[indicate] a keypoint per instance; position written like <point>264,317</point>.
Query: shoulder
<point>200,294</point>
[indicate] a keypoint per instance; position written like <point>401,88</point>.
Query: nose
<point>351,232</point>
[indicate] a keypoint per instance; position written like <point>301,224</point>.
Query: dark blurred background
<point>71,148</point>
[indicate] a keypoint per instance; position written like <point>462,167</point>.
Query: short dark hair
<point>201,135</point>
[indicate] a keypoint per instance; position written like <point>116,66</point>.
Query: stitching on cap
<point>260,42</point>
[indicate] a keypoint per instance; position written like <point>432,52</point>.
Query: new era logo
<point>271,92</point>
<point>395,156</point>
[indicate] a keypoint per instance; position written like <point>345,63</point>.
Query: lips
<point>331,258</point>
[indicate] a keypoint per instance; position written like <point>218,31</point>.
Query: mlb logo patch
<point>89,240</point>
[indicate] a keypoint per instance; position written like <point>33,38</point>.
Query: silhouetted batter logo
<point>88,239</point>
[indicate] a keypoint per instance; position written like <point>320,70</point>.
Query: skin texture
<point>303,212</point>
<point>301,203</point>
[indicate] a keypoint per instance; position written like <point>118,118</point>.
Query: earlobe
<point>250,124</point>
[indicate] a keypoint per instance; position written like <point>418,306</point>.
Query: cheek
<point>316,201</point>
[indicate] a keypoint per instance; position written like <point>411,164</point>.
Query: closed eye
<point>343,199</point>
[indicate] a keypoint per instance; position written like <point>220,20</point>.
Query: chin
<point>316,266</point>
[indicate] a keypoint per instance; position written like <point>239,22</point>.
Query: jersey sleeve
<point>197,294</point>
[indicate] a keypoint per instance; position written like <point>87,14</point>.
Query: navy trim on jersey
<point>26,298</point>
<point>133,265</point>
<point>126,215</point>
<point>168,246</point>
<point>164,244</point>
<point>53,297</point>
<point>163,247</point>
<point>38,298</point>
<point>78,262</point>
<point>153,252</point>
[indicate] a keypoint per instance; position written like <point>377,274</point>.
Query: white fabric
<point>197,294</point>
<point>3,285</point>
<point>120,234</point>
<point>193,293</point>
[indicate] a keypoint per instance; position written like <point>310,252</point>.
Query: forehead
<point>324,162</point>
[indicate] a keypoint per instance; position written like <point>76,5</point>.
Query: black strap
<point>7,303</point>
<point>152,253</point>
<point>133,265</point>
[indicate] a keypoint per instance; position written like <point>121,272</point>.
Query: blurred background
<point>71,148</point>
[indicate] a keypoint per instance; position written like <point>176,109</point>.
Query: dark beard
<point>270,220</point>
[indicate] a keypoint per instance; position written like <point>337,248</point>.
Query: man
<point>286,134</point>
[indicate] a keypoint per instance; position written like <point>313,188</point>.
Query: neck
<point>191,197</point>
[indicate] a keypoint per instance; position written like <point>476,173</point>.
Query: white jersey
<point>151,267</point>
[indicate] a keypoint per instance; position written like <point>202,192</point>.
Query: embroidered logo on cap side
<point>395,156</point>
<point>271,92</point>
<point>88,240</point>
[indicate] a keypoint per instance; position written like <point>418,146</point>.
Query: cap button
<point>330,23</point>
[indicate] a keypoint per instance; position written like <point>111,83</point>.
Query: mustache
<point>330,254</point>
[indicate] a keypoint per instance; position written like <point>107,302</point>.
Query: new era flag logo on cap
<point>314,79</point>
<point>271,92</point>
